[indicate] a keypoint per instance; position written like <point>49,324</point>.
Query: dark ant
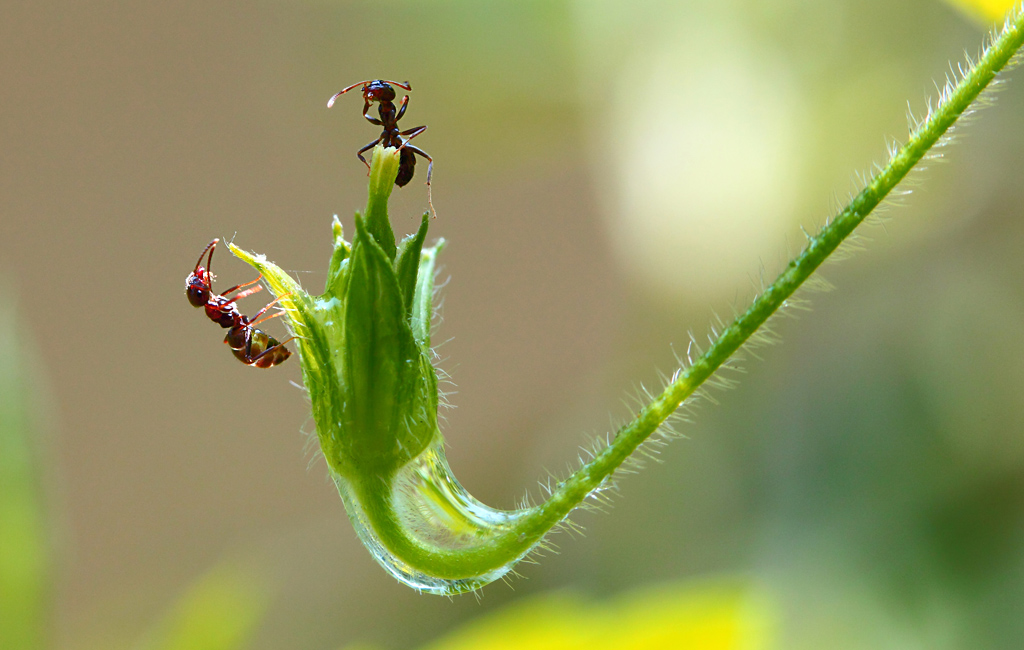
<point>251,346</point>
<point>379,90</point>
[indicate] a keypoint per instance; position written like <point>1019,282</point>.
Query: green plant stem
<point>533,523</point>
<point>951,106</point>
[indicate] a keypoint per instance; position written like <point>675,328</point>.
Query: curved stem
<point>364,347</point>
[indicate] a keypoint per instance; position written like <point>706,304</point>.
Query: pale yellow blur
<point>710,615</point>
<point>989,10</point>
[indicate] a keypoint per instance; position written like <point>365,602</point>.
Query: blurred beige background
<point>608,175</point>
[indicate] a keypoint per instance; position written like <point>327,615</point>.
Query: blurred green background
<point>608,174</point>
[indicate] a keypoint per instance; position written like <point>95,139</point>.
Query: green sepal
<point>316,321</point>
<point>25,563</point>
<point>391,388</point>
<point>423,298</point>
<point>368,376</point>
<point>408,262</point>
<point>383,171</point>
<point>341,252</point>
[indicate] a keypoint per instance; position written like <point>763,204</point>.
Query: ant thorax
<point>223,311</point>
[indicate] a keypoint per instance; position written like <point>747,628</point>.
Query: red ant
<point>379,90</point>
<point>251,346</point>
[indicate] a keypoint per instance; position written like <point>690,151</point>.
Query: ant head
<point>199,283</point>
<point>378,90</point>
<point>197,287</point>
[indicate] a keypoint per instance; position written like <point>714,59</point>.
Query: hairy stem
<point>953,103</point>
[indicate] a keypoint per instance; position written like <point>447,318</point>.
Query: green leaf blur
<point>24,547</point>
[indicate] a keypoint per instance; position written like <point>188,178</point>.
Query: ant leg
<point>412,133</point>
<point>401,109</point>
<point>271,349</point>
<point>359,154</point>
<point>247,292</point>
<point>252,321</point>
<point>430,169</point>
<point>417,150</point>
<point>373,120</point>
<point>264,319</point>
<point>240,286</point>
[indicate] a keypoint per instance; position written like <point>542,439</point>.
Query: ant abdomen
<point>254,347</point>
<point>406,167</point>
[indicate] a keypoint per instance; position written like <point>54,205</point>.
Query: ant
<point>379,90</point>
<point>251,346</point>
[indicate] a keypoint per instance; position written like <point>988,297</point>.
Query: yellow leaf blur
<point>220,611</point>
<point>985,10</point>
<point>719,615</point>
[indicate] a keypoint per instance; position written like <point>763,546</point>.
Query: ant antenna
<point>208,247</point>
<point>404,86</point>
<point>330,102</point>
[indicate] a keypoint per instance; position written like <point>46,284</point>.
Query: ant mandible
<point>251,346</point>
<point>379,90</point>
